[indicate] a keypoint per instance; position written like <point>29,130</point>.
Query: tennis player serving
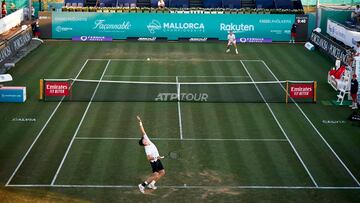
<point>231,41</point>
<point>152,154</point>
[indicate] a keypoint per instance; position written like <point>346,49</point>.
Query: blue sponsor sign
<point>254,40</point>
<point>66,25</point>
<point>92,39</point>
<point>12,94</point>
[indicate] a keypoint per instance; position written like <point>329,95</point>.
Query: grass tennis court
<point>88,151</point>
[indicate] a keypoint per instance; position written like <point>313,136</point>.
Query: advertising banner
<point>91,39</point>
<point>12,94</point>
<point>343,34</point>
<point>12,46</point>
<point>57,89</point>
<point>329,47</point>
<point>66,25</point>
<point>301,91</point>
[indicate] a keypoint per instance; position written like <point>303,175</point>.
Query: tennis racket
<point>172,155</point>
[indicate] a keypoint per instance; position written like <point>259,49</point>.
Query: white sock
<point>153,182</point>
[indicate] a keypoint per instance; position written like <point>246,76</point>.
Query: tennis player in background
<point>231,41</point>
<point>293,33</point>
<point>152,154</point>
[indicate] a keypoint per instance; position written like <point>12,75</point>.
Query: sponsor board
<point>12,46</point>
<point>171,26</point>
<point>253,40</point>
<point>343,34</point>
<point>301,91</point>
<point>329,47</point>
<point>205,39</point>
<point>13,94</point>
<point>91,39</point>
<point>57,89</point>
<point>146,39</point>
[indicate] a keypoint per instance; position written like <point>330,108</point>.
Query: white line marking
<point>179,109</point>
<point>41,131</point>
<point>78,127</point>
<point>281,128</point>
<point>317,131</point>
<point>180,76</point>
<point>184,139</point>
<point>193,187</point>
<point>173,60</point>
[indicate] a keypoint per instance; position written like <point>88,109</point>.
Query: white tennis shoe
<point>227,50</point>
<point>141,188</point>
<point>152,186</point>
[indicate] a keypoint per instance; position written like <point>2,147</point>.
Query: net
<point>134,91</point>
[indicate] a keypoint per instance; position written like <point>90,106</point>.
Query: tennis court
<point>263,145</point>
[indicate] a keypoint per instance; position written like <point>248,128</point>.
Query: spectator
<point>32,13</point>
<point>353,91</point>
<point>3,9</point>
<point>26,13</point>
<point>12,7</point>
<point>355,14</point>
<point>161,4</point>
<point>357,49</point>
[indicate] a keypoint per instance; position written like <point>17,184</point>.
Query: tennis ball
<point>148,59</point>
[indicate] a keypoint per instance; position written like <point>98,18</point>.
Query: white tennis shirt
<point>151,149</point>
<point>231,38</point>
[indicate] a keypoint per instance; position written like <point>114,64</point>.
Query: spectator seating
<point>266,4</point>
<point>231,3</point>
<point>74,3</point>
<point>297,4</point>
<point>154,3</point>
<point>284,4</point>
<point>212,4</point>
<point>179,4</point>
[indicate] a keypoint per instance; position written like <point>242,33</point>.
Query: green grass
<point>225,145</point>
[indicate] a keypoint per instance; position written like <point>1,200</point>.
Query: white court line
<point>173,60</point>
<point>317,131</point>
<point>191,187</point>
<point>184,139</point>
<point>179,109</point>
<point>78,127</point>
<point>42,130</point>
<point>281,128</point>
<point>180,76</point>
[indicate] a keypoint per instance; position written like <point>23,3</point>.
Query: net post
<point>287,92</point>
<point>315,92</point>
<point>41,87</point>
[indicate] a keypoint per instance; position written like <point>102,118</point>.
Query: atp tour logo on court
<point>197,97</point>
<point>57,89</point>
<point>302,91</point>
<point>155,25</point>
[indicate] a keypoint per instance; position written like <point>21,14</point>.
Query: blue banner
<point>12,94</point>
<point>66,25</point>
